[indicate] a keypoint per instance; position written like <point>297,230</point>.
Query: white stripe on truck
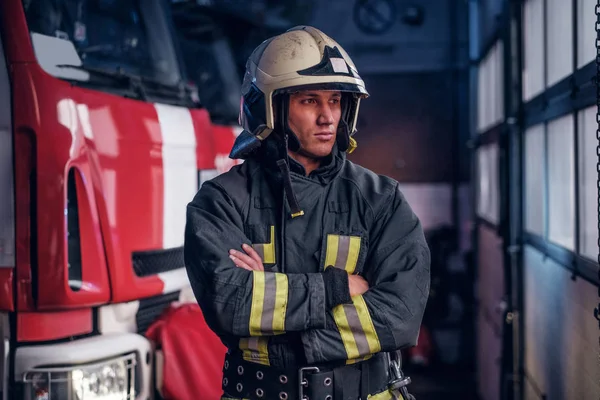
<point>179,170</point>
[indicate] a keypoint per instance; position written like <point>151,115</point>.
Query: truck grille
<point>151,308</point>
<point>153,262</point>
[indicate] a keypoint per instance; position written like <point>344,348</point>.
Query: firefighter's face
<point>314,117</point>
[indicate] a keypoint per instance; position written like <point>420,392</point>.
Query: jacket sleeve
<point>388,316</point>
<point>236,302</point>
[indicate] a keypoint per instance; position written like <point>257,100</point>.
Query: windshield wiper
<point>180,90</point>
<point>96,48</point>
<point>97,71</point>
<point>142,86</point>
<point>124,81</point>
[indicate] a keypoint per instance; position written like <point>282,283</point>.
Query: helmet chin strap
<point>343,132</point>
<point>293,144</point>
<point>343,135</point>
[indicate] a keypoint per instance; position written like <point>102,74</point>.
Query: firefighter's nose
<point>326,116</point>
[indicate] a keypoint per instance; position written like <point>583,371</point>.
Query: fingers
<point>357,285</point>
<point>250,261</point>
<point>241,260</point>
<point>239,263</point>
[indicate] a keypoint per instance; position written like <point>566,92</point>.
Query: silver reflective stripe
<point>357,330</point>
<point>266,323</point>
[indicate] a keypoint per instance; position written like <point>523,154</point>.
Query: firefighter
<point>310,268</point>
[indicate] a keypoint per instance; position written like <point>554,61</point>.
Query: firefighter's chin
<point>318,150</point>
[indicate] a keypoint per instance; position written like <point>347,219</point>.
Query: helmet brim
<point>360,91</point>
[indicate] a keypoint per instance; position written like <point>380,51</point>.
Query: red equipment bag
<point>192,355</point>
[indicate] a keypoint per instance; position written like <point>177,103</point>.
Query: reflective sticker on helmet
<point>339,65</point>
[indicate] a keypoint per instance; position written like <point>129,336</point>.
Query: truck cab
<point>101,147</point>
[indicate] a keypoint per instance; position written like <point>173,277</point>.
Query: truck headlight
<point>107,380</point>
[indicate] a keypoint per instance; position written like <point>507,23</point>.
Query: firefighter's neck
<point>309,163</point>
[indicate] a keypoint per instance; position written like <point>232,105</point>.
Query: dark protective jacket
<point>298,311</point>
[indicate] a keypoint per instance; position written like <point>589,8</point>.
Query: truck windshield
<point>77,39</point>
<point>210,64</point>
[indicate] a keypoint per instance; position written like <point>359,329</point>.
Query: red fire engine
<point>101,147</point>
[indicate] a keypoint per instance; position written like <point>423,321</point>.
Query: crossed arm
<point>251,261</point>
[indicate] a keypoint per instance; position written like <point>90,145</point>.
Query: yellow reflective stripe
<point>258,297</point>
<point>266,251</point>
<point>332,250</point>
<point>281,301</point>
<point>255,350</point>
<point>356,329</point>
<point>367,324</point>
<point>269,248</point>
<point>269,303</point>
<point>342,252</point>
<point>386,395</point>
<point>353,252</point>
<point>359,359</point>
<point>339,315</point>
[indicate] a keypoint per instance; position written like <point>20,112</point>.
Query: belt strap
<point>339,384</point>
<point>346,382</point>
<point>349,381</point>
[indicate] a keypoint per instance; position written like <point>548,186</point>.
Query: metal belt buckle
<point>302,383</point>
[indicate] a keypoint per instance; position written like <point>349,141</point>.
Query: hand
<point>357,285</point>
<point>250,261</point>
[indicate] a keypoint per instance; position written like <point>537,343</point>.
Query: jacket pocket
<point>347,252</point>
<point>263,242</point>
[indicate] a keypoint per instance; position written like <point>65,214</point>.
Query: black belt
<point>247,380</point>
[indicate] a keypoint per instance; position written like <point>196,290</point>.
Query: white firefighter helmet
<point>302,58</point>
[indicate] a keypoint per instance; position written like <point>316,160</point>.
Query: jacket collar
<point>272,150</point>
